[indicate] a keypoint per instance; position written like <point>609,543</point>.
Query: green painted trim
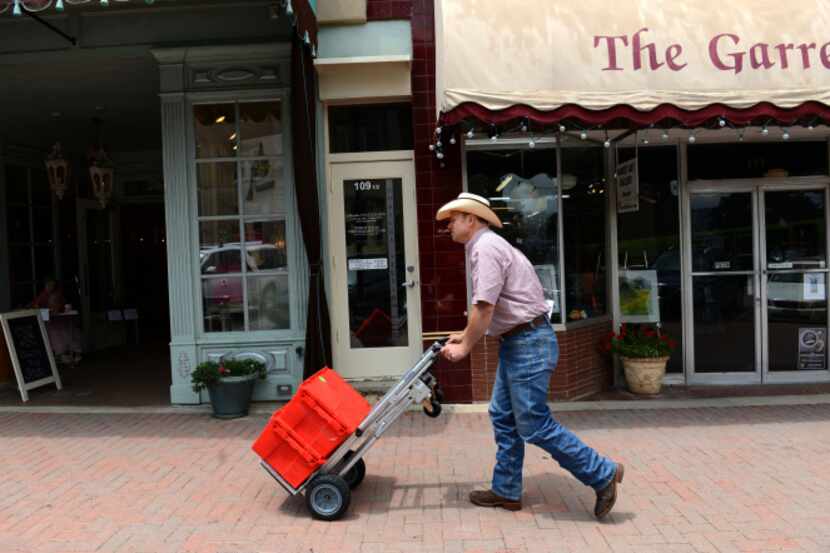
<point>375,38</point>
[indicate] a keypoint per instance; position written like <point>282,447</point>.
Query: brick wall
<point>582,369</point>
<point>443,273</point>
<point>377,10</point>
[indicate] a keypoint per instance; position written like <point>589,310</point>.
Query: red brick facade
<point>582,369</point>
<point>443,273</point>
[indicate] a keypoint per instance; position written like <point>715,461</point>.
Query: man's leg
<point>534,355</point>
<point>507,474</point>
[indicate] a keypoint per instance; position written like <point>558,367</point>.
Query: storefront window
<point>243,213</point>
<point>752,160</point>
<point>30,233</point>
<point>649,247</point>
<point>370,128</point>
<point>522,186</point>
<point>583,205</point>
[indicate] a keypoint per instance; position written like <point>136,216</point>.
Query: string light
<point>440,155</point>
<point>531,143</point>
<point>583,135</point>
<point>692,138</point>
<point>494,132</point>
<point>452,140</point>
<point>562,128</point>
<point>785,135</point>
<point>721,122</point>
<point>470,133</point>
<point>525,124</point>
<point>741,136</point>
<point>765,130</point>
<point>607,142</point>
<point>431,147</point>
<point>664,136</point>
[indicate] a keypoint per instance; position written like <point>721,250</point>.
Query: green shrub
<point>208,373</point>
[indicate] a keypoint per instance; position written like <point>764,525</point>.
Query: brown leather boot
<point>486,498</point>
<point>607,496</point>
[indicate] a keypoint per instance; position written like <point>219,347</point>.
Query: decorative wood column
<point>178,220</point>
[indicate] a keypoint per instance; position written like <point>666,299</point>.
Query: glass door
<point>376,322</point>
<point>756,281</point>
<point>723,286</point>
<point>794,246</point>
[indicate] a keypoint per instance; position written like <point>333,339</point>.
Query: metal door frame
<point>757,188</point>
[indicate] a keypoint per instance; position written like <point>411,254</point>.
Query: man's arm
<point>477,324</point>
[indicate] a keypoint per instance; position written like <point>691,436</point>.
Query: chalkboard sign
<point>30,351</point>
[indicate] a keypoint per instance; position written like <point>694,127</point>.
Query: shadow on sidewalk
<point>381,494</point>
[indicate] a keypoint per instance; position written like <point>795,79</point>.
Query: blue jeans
<point>520,413</point>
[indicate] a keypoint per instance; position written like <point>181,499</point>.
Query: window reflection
<point>263,189</point>
<point>216,185</point>
<point>265,243</point>
<point>222,302</point>
<point>268,306</point>
<point>722,232</point>
<point>583,203</point>
<point>523,191</point>
<point>219,247</point>
<point>260,129</point>
<point>649,244</point>
<point>795,229</point>
<point>215,130</point>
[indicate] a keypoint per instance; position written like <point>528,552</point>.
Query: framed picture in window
<point>639,302</point>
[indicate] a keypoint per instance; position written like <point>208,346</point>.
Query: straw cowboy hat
<point>470,203</point>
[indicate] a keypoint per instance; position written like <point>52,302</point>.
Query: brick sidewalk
<point>697,480</point>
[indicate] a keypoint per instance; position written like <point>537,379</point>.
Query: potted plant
<point>230,384</point>
<point>644,350</point>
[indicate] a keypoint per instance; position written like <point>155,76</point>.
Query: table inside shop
<point>64,331</point>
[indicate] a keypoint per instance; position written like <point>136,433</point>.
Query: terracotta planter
<point>645,375</point>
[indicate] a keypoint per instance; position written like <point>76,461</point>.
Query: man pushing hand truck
<point>508,302</point>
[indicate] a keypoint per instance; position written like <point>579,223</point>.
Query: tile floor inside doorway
<point>135,375</point>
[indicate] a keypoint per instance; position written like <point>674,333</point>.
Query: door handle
<point>408,284</point>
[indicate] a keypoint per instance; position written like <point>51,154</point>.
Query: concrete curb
<point>266,409</point>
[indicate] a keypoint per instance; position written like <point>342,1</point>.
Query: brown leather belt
<point>530,325</point>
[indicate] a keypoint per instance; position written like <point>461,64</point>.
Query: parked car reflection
<point>267,277</point>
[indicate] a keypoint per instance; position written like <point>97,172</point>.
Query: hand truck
<point>328,489</point>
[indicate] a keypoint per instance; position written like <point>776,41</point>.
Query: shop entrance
<point>94,258</point>
<point>376,323</point>
<point>756,280</point>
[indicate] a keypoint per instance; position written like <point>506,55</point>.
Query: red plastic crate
<point>299,437</point>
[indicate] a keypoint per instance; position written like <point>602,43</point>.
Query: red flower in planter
<point>639,341</point>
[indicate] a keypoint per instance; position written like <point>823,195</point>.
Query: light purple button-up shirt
<point>502,276</point>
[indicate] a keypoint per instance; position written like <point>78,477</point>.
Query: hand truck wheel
<point>356,474</point>
<point>434,409</point>
<point>328,497</point>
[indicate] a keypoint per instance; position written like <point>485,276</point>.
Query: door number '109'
<point>366,185</point>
